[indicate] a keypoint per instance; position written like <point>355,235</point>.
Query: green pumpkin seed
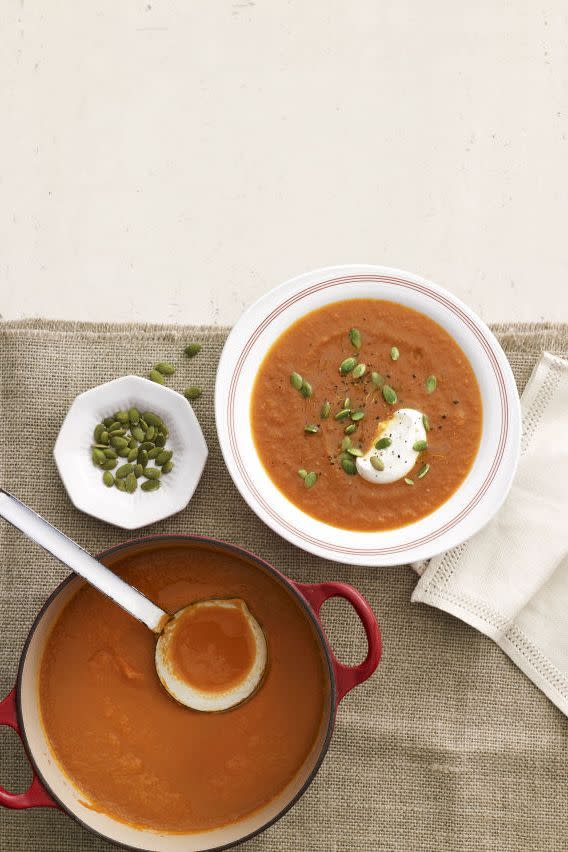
<point>120,484</point>
<point>377,463</point>
<point>133,416</point>
<point>160,440</point>
<point>311,428</point>
<point>349,466</point>
<point>395,354</point>
<point>132,444</point>
<point>104,438</point>
<point>341,415</point>
<point>108,421</point>
<point>192,392</point>
<point>163,430</point>
<point>114,432</point>
<point>124,470</point>
<point>138,470</point>
<point>109,464</point>
<point>346,402</point>
<point>97,456</point>
<point>131,484</point>
<point>169,466</point>
<point>423,470</point>
<point>296,381</point>
<point>306,389</point>
<point>165,368</point>
<point>346,443</point>
<point>359,371</point>
<point>133,454</point>
<point>143,425</point>
<point>355,338</point>
<point>142,457</point>
<point>150,485</point>
<point>310,479</point>
<point>151,433</point>
<point>154,453</point>
<point>138,433</point>
<point>147,445</point>
<point>118,442</point>
<point>152,419</point>
<point>121,416</point>
<point>157,377</point>
<point>383,443</point>
<point>192,350</point>
<point>431,384</point>
<point>347,365</point>
<point>426,422</point>
<point>302,473</point>
<point>357,415</point>
<point>108,479</point>
<point>389,395</point>
<point>164,457</point>
<point>152,472</point>
<point>350,429</point>
<point>355,451</point>
<point>109,454</point>
<point>123,453</point>
<point>325,410</point>
<point>377,379</point>
<point>98,446</point>
<point>116,424</point>
<point>408,480</point>
<point>420,446</point>
<point>99,429</point>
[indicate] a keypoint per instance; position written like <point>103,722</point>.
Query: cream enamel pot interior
<point>52,788</point>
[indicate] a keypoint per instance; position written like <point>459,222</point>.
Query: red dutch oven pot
<point>52,788</point>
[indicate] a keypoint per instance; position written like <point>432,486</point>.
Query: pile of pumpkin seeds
<point>138,439</point>
<point>356,369</point>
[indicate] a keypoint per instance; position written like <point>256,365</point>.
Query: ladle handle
<point>71,554</point>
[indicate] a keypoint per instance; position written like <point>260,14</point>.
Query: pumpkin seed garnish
<point>359,371</point>
<point>357,415</point>
<point>383,443</point>
<point>131,484</point>
<point>310,479</point>
<point>311,428</point>
<point>302,473</point>
<point>350,429</point>
<point>165,368</point>
<point>325,410</point>
<point>423,470</point>
<point>306,389</point>
<point>377,379</point>
<point>109,464</point>
<point>152,472</point>
<point>163,457</point>
<point>124,470</point>
<point>169,466</point>
<point>395,354</point>
<point>341,415</point>
<point>192,392</point>
<point>347,365</point>
<point>426,422</point>
<point>431,384</point>
<point>108,479</point>
<point>420,446</point>
<point>408,480</point>
<point>346,443</point>
<point>349,466</point>
<point>377,463</point>
<point>120,484</point>
<point>355,338</point>
<point>346,402</point>
<point>355,451</point>
<point>389,395</point>
<point>149,485</point>
<point>156,376</point>
<point>296,380</point>
<point>192,350</point>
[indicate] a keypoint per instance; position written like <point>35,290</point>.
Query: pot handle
<point>347,677</point>
<point>36,796</point>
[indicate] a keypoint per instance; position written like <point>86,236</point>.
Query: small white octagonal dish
<point>83,480</point>
<point>481,493</point>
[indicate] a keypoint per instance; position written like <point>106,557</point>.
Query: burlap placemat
<point>448,747</point>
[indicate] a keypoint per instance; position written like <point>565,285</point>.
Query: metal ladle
<point>163,624</point>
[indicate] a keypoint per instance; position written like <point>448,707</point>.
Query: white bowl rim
<point>467,521</point>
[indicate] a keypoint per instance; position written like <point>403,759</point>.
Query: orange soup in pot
<point>366,414</point>
<point>131,749</point>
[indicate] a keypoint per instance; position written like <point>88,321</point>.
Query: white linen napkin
<point>510,580</point>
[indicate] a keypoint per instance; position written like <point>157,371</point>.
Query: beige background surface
<point>170,161</point>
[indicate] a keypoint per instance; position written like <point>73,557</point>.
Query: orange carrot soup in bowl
<point>367,415</point>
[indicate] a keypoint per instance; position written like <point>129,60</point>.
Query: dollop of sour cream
<point>404,428</point>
